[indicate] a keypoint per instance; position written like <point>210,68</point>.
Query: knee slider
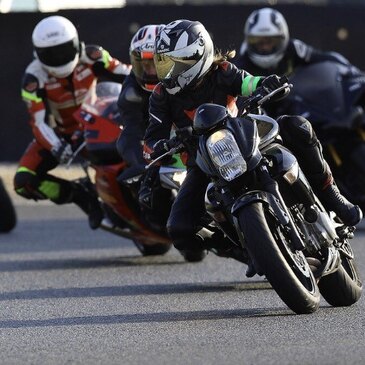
<point>26,184</point>
<point>296,128</point>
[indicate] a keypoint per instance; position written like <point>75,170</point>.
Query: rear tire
<point>343,287</point>
<point>7,212</point>
<point>287,271</point>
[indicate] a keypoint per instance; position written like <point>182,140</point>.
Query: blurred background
<point>332,25</point>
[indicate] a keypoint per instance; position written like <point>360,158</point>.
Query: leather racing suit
<point>51,103</point>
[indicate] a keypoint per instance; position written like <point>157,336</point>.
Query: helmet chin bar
<point>267,61</point>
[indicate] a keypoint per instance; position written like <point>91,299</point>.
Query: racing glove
<point>159,148</point>
<point>62,152</point>
<point>271,82</point>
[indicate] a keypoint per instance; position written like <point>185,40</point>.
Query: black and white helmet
<point>184,53</point>
<point>266,37</point>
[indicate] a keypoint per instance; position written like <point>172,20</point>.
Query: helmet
<point>266,36</point>
<point>184,54</point>
<point>141,53</point>
<point>56,45</point>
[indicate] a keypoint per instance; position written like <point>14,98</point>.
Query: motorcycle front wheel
<point>287,270</point>
<point>343,287</point>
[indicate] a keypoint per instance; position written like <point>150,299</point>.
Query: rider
<point>134,97</point>
<point>63,73</point>
<point>268,49</point>
<point>192,74</point>
<point>133,105</point>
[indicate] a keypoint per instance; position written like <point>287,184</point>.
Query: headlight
<point>225,154</point>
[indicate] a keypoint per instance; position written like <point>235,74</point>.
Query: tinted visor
<point>58,55</point>
<point>144,68</point>
<point>265,45</point>
<point>173,64</point>
<point>169,67</point>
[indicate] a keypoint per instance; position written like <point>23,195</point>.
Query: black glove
<point>62,152</point>
<point>159,148</point>
<point>148,182</point>
<point>271,82</point>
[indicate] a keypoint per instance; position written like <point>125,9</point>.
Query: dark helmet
<point>184,53</point>
<point>141,51</point>
<point>207,116</point>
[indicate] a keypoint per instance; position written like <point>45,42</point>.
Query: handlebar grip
<point>284,79</point>
<point>155,155</point>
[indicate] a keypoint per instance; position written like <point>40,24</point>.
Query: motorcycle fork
<point>270,185</point>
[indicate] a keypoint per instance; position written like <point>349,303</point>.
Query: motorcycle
<point>260,199</point>
<point>332,97</point>
<point>8,215</point>
<point>99,116</point>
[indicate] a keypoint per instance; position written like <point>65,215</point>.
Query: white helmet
<point>56,45</point>
<point>266,36</point>
<point>141,53</point>
<point>184,54</point>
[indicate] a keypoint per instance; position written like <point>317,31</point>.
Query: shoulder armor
<point>30,83</point>
<point>93,53</point>
<point>302,50</point>
<point>36,70</point>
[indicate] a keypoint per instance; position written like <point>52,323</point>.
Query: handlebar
<point>261,96</point>
<point>176,144</point>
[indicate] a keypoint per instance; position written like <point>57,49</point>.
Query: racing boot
<point>191,248</point>
<point>332,199</point>
<point>89,203</point>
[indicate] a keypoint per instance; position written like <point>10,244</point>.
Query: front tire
<point>287,271</point>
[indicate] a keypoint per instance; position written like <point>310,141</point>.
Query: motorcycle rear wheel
<point>8,216</point>
<point>287,271</point>
<point>343,287</point>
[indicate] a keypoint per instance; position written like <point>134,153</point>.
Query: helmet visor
<point>58,55</point>
<point>144,67</point>
<point>168,67</point>
<point>173,64</point>
<point>265,45</point>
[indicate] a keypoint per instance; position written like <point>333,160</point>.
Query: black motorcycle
<point>259,197</point>
<point>7,212</point>
<point>332,97</point>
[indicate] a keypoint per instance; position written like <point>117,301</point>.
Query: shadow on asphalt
<point>87,263</point>
<point>132,290</point>
<point>150,317</point>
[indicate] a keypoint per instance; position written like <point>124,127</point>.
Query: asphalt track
<point>69,295</point>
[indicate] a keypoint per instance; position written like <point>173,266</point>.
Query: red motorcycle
<point>100,118</point>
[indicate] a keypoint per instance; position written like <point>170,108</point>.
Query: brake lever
<point>168,153</point>
<point>74,155</point>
